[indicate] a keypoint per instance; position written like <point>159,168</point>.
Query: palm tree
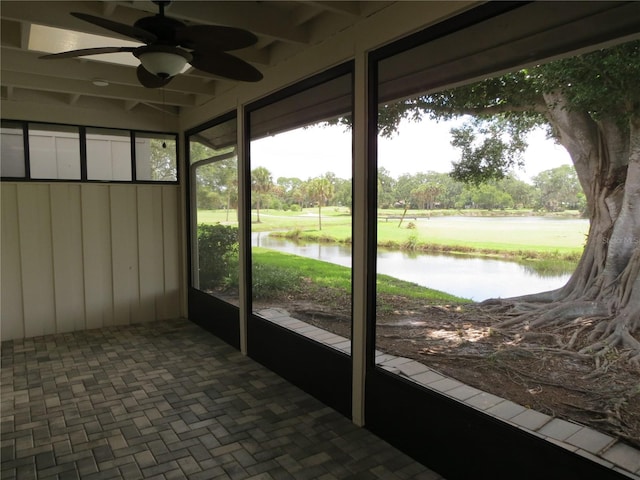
<point>320,190</point>
<point>261,183</point>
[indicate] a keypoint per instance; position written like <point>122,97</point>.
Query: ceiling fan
<point>170,45</point>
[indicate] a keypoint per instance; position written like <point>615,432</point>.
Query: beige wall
<point>82,256</point>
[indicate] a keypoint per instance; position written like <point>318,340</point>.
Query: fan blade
<point>213,37</point>
<point>83,52</point>
<point>225,65</point>
<point>149,80</point>
<point>121,28</point>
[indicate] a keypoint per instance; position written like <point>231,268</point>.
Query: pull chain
<point>164,117</point>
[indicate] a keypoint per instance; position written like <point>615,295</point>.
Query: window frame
<point>82,130</point>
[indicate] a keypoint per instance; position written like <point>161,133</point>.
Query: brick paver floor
<point>168,400</point>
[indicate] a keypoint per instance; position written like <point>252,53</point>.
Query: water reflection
<point>474,278</point>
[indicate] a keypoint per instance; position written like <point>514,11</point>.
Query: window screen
<point>54,151</point>
<point>156,157</point>
<point>12,164</point>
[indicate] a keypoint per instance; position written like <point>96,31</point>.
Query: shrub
<point>410,243</point>
<point>217,254</point>
<point>268,281</point>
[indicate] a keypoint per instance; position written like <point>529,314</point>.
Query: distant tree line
<point>552,190</point>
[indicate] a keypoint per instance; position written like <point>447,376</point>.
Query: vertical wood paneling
<point>11,313</point>
<point>124,247</point>
<point>96,248</point>
<point>170,302</point>
<point>36,259</point>
<point>66,232</point>
<point>150,250</point>
<point>81,256</point>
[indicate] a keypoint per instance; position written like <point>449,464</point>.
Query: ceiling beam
<point>304,13</point>
<point>11,33</point>
<point>347,8</point>
<point>259,18</point>
<point>25,31</point>
<point>108,8</point>
<point>82,87</point>
<point>86,70</point>
<point>56,14</point>
<point>130,104</point>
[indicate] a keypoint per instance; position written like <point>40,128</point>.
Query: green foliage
<point>386,187</point>
<point>261,184</point>
<point>321,191</point>
<point>217,181</point>
<point>489,148</point>
<point>208,200</point>
<point>412,242</point>
<point>269,281</point>
<point>261,180</point>
<point>489,196</point>
<point>559,189</point>
<point>275,203</point>
<point>426,194</point>
<point>217,255</point>
<point>604,83</point>
<point>163,159</point>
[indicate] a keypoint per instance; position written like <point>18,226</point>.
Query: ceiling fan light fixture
<point>163,62</point>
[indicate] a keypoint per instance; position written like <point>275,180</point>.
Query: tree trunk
<point>404,212</point>
<point>606,282</point>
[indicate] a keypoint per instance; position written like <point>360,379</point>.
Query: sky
<point>418,147</point>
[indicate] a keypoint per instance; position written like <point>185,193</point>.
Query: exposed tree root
<point>551,322</point>
<point>617,333</point>
<point>546,315</point>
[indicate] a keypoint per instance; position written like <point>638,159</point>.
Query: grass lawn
<point>301,271</point>
<point>511,235</point>
<point>271,220</point>
<point>514,234</point>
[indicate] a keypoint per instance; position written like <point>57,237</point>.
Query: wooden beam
<point>84,69</point>
<point>257,17</point>
<point>347,8</point>
<point>85,87</point>
<point>130,104</point>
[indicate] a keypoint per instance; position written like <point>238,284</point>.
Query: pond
<point>468,277</point>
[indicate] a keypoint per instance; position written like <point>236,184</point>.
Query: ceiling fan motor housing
<point>164,28</point>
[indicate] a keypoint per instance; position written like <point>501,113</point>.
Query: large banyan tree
<point>590,104</point>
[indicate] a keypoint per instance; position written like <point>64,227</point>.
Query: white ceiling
<point>284,29</point>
